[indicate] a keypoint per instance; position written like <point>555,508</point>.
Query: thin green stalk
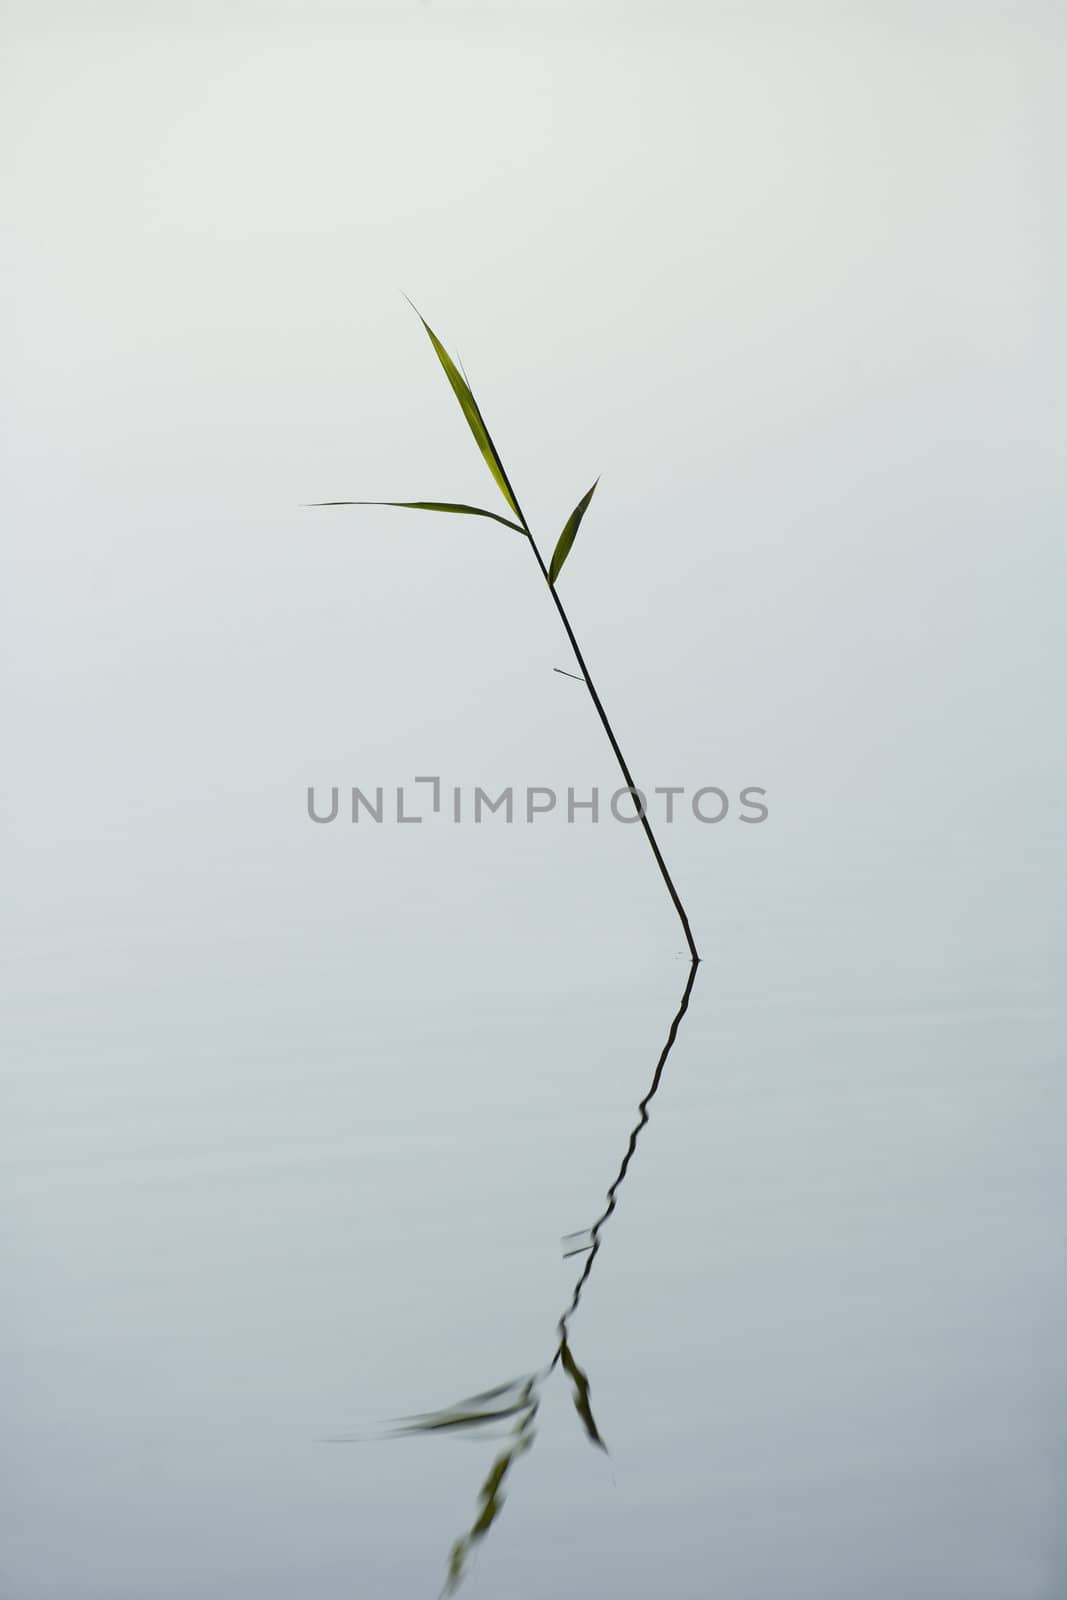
<point>613,741</point>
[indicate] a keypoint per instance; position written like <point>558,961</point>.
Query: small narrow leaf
<point>491,1502</point>
<point>566,538</point>
<point>520,1387</point>
<point>581,1394</point>
<point>496,1475</point>
<point>436,1421</point>
<point>425,505</point>
<point>475,421</point>
<point>575,1244</point>
<point>515,1397</point>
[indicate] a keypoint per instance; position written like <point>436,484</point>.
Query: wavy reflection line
<point>596,1232</point>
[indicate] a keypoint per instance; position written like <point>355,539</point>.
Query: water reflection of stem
<point>642,1118</point>
<point>521,1397</point>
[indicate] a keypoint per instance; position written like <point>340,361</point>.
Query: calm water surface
<point>293,1119</point>
<point>284,1182</point>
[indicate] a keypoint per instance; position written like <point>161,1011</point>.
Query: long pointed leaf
<point>434,1422</point>
<point>491,1500</point>
<point>581,1395</point>
<point>475,421</point>
<point>521,1387</point>
<point>566,538</point>
<point>425,505</point>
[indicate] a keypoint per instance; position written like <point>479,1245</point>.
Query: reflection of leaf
<point>576,1244</point>
<point>516,1386</point>
<point>458,1419</point>
<point>490,1495</point>
<point>473,1412</point>
<point>566,538</point>
<point>581,1394</point>
<point>475,421</point>
<point>425,505</point>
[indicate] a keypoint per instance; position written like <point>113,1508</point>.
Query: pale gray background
<point>293,1117</point>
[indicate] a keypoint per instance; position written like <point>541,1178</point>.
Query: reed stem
<point>612,740</point>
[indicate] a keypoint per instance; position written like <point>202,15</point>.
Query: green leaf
<point>426,505</point>
<point>491,1501</point>
<point>566,538</point>
<point>581,1394</point>
<point>521,1387</point>
<point>475,421</point>
<point>434,1421</point>
<point>517,1397</point>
